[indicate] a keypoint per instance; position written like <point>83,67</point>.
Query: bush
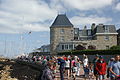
<point>115,48</point>
<point>91,52</point>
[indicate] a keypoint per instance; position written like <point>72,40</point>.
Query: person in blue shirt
<point>61,62</point>
<point>115,68</point>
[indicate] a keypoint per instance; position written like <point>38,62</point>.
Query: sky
<point>19,17</point>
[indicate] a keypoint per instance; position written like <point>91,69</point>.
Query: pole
<point>5,47</point>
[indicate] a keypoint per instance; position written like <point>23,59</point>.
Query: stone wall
<point>101,43</point>
<point>55,36</point>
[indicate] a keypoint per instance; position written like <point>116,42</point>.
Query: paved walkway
<point>81,77</point>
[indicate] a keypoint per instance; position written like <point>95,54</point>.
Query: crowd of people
<point>98,69</point>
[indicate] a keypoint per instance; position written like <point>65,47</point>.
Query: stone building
<point>64,36</point>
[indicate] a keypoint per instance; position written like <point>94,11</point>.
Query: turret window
<point>62,31</point>
<point>62,38</point>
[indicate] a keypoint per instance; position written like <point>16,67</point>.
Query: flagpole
<point>5,47</point>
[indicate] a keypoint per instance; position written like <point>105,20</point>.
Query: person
<point>61,62</point>
<point>101,68</point>
<point>94,66</point>
<point>44,62</point>
<point>78,67</point>
<point>86,70</point>
<point>67,67</point>
<point>91,70</point>
<point>85,63</point>
<point>110,63</point>
<point>115,68</point>
<point>47,73</point>
<point>74,68</point>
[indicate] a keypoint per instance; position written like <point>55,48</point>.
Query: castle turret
<point>60,31</point>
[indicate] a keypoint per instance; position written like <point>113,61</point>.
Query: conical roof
<point>62,20</point>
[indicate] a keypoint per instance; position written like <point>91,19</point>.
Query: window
<point>75,32</point>
<point>106,28</point>
<point>89,32</point>
<point>75,38</point>
<point>107,47</point>
<point>62,38</point>
<point>71,31</point>
<point>106,37</point>
<point>66,46</point>
<point>61,31</point>
<point>70,46</point>
<point>62,47</point>
<point>80,33</point>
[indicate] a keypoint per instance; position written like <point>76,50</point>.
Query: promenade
<point>81,77</point>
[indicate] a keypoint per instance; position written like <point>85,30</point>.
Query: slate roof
<point>85,32</point>
<point>101,28</point>
<point>62,20</point>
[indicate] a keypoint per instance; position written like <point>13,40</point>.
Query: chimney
<point>85,27</point>
<point>93,26</point>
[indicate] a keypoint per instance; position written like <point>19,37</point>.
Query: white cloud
<point>16,14</point>
<point>36,27</point>
<point>87,4</point>
<point>80,20</point>
<point>118,7</point>
<point>58,5</point>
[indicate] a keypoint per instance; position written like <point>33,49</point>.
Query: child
<point>87,70</point>
<point>91,70</point>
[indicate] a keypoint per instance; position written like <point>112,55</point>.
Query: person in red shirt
<point>101,68</point>
<point>64,58</point>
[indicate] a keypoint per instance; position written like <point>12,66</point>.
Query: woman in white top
<point>85,63</point>
<point>67,67</point>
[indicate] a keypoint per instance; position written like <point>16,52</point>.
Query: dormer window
<point>106,28</point>
<point>75,32</point>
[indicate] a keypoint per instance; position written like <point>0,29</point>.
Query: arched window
<point>92,47</point>
<point>80,47</point>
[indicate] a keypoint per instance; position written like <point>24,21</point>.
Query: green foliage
<point>115,48</point>
<point>91,52</point>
